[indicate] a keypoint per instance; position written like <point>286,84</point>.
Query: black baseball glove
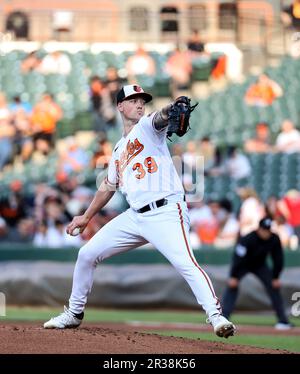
<point>179,116</point>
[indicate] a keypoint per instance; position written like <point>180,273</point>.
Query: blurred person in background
<point>207,150</point>
<point>73,159</point>
<point>189,157</point>
<point>45,115</point>
<point>15,206</point>
<point>113,82</point>
<point>7,133</point>
<point>179,68</point>
<point>290,15</point>
<point>208,226</point>
<point>55,236</point>
<point>140,63</point>
<point>102,154</point>
<point>250,256</point>
<point>251,210</point>
<point>21,112</point>
<point>103,112</point>
<point>263,92</point>
<point>289,207</point>
<point>199,213</point>
<point>288,140</point>
<point>236,165</point>
<point>54,210</point>
<point>17,104</point>
<point>55,62</point>
<point>31,62</point>
<point>279,224</point>
<point>195,44</point>
<point>260,143</point>
<point>228,226</point>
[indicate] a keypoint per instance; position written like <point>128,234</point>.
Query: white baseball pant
<point>166,228</point>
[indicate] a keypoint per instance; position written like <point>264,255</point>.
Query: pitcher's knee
<point>86,256</point>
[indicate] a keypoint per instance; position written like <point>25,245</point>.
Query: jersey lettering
<point>131,151</point>
<point>150,164</point>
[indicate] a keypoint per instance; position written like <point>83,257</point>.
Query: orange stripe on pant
<point>193,259</point>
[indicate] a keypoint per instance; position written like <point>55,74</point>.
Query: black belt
<point>155,204</point>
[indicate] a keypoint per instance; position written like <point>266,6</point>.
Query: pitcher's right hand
<point>78,221</point>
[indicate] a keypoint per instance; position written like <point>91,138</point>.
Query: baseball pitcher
<point>142,169</point>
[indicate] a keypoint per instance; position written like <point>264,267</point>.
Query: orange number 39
<point>150,164</point>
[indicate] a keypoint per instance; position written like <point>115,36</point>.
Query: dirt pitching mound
<point>32,338</point>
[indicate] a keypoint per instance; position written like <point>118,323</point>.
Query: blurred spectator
<point>261,141</point>
<point>102,154</point>
<point>65,184</point>
<point>228,226</point>
<point>189,157</point>
<point>289,207</point>
<point>279,224</point>
<point>290,15</point>
<point>79,200</point>
<point>284,231</point>
<point>25,231</point>
<point>56,63</point>
<point>7,133</point>
<point>113,83</point>
<point>15,206</point>
<point>179,68</point>
<point>237,165</point>
<point>55,236</point>
<point>195,44</point>
<point>177,157</point>
<point>271,207</point>
<point>263,92</point>
<point>21,121</point>
<point>45,115</point>
<point>5,113</point>
<point>208,151</point>
<point>31,62</point>
<point>54,210</point>
<point>17,105</point>
<point>73,159</point>
<point>140,63</point>
<point>288,140</point>
<point>103,111</point>
<point>251,210</point>
<point>208,227</point>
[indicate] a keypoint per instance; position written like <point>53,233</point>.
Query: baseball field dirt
<point>103,339</point>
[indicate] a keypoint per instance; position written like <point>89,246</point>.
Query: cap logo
<point>137,88</point>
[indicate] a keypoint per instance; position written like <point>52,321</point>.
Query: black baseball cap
<point>131,90</point>
<point>265,223</point>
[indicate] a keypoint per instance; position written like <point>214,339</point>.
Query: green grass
<point>290,343</point>
<point>125,315</point>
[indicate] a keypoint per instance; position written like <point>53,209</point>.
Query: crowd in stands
<point>28,135</point>
<point>27,130</point>
<point>287,140</point>
<point>40,218</point>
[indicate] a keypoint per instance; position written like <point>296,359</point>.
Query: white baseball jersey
<point>142,167</point>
